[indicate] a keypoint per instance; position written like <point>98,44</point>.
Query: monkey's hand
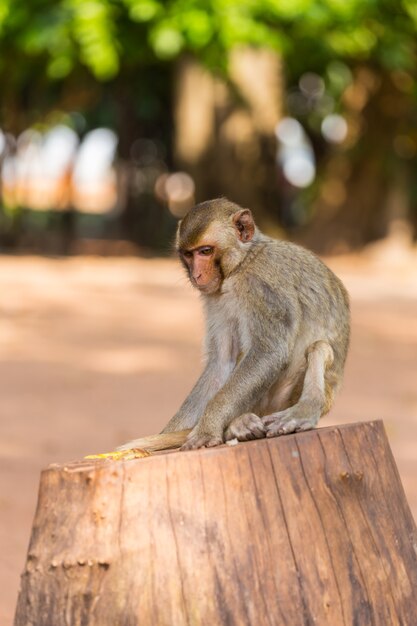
<point>198,439</point>
<point>245,427</point>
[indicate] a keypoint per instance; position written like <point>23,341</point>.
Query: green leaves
<point>106,35</point>
<point>144,10</point>
<point>166,40</point>
<point>94,31</point>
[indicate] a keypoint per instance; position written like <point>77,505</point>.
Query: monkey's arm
<point>215,373</point>
<point>247,384</point>
<point>179,427</point>
<point>193,407</point>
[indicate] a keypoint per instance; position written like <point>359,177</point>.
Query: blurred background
<point>116,116</point>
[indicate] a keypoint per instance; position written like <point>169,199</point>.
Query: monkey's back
<point>305,291</point>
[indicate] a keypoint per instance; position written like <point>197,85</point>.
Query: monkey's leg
<point>249,425</point>
<point>316,396</point>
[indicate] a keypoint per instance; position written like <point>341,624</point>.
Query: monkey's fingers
<point>120,455</point>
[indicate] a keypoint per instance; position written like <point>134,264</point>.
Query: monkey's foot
<point>292,420</point>
<point>201,440</point>
<point>245,427</point>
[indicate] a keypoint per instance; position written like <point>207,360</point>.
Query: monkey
<point>277,333</point>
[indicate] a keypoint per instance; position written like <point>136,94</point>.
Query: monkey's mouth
<point>208,288</point>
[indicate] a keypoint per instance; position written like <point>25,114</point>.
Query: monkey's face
<point>211,244</point>
<point>203,268</point>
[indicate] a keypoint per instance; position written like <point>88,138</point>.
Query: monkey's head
<point>212,239</point>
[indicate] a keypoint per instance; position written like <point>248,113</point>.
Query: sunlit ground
<point>94,352</point>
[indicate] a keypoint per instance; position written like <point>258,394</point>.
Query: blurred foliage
<point>107,35</point>
<point>113,61</point>
<point>57,52</point>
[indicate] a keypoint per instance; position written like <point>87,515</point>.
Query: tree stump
<point>302,530</point>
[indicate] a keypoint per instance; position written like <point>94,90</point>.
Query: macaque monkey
<point>277,333</point>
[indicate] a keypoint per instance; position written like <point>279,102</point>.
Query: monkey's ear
<point>177,235</point>
<point>244,224</point>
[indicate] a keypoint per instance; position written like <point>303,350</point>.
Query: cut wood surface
<point>302,530</point>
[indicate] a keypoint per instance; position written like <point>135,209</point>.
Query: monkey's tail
<point>153,443</point>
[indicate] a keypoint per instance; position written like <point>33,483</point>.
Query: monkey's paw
<point>197,440</point>
<point>288,421</point>
<point>245,427</point>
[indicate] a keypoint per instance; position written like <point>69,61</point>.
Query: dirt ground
<point>94,352</point>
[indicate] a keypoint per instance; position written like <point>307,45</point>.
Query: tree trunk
<point>354,206</point>
<point>224,130</point>
<point>307,529</point>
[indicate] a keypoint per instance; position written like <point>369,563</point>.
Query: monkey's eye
<point>187,254</point>
<point>206,251</point>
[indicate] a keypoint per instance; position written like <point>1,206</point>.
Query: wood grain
<point>311,529</point>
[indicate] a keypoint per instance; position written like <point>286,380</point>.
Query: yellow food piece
<point>120,455</point>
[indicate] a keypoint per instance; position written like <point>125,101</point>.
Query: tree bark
<point>307,529</point>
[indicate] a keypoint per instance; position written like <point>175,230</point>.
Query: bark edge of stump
<point>302,530</point>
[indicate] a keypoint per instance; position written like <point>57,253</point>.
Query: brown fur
<point>198,220</point>
<point>277,330</point>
